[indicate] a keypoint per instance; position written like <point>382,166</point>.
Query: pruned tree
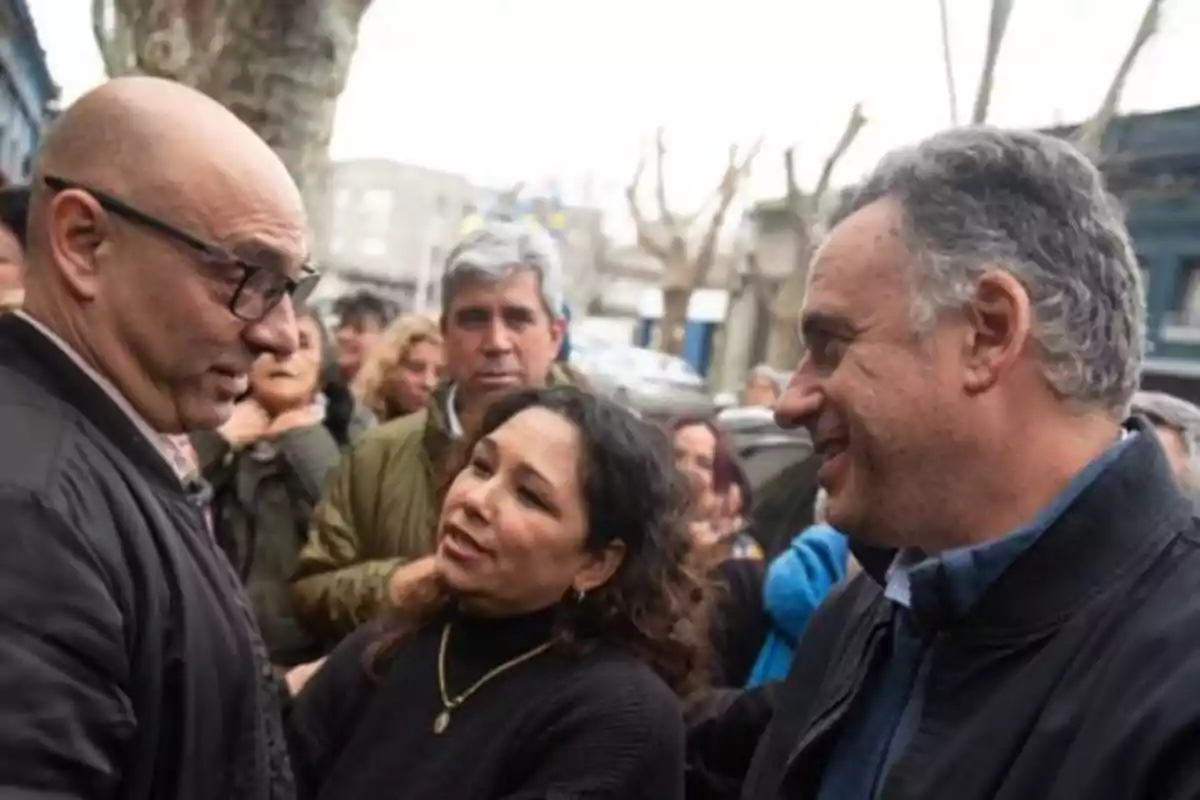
<point>997,27</point>
<point>804,208</point>
<point>280,65</point>
<point>1089,137</point>
<point>785,299</point>
<point>687,259</point>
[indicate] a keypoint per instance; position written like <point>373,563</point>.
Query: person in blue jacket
<point>796,583</point>
<point>564,349</point>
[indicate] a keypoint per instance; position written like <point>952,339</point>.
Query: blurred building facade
<point>28,94</point>
<point>388,227</point>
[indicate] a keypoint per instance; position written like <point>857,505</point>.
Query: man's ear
<point>999,326</point>
<point>77,228</point>
<point>558,328</point>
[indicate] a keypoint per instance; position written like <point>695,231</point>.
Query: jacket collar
<point>1129,512</point>
<point>443,431</point>
<point>27,351</point>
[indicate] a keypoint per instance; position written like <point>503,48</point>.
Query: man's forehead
<point>519,289</point>
<point>283,253</point>
<point>860,264</point>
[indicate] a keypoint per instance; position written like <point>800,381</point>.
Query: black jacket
<point>128,663</point>
<point>1073,678</point>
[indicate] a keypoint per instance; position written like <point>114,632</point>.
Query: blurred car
<point>764,449</point>
<point>655,384</point>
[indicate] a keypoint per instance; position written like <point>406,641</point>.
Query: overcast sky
<point>503,90</point>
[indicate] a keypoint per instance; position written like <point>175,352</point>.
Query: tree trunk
<point>674,320</point>
<point>282,71</point>
<point>280,65</point>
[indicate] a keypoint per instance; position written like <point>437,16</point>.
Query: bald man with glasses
<point>166,250</point>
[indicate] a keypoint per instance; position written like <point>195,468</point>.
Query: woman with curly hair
<point>542,650</point>
<point>402,369</point>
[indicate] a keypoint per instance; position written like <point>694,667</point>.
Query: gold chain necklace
<point>442,720</point>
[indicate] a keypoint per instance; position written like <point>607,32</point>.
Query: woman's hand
<point>248,423</point>
<point>304,417</point>
<point>298,676</point>
<point>408,578</point>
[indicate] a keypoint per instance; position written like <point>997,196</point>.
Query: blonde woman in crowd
<point>402,369</point>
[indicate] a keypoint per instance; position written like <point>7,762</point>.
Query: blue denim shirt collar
<point>943,588</point>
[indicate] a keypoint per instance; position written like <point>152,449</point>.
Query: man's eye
<point>825,350</point>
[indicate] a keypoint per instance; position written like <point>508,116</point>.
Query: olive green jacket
<point>380,510</point>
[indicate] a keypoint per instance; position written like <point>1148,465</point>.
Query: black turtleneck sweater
<point>599,725</point>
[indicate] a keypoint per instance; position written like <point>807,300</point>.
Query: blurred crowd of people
<point>253,552</point>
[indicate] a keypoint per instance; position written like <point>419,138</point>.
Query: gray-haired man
<point>763,385</point>
<point>1026,623</point>
<point>1177,423</point>
<point>501,295</point>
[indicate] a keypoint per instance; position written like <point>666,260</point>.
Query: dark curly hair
<point>654,605</point>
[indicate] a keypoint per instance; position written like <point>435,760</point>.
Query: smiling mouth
<point>462,541</point>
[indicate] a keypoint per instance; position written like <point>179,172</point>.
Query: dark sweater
<point>600,725</point>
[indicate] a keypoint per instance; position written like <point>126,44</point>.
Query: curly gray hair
<point>775,376</point>
<point>978,198</point>
<point>497,249</point>
<point>1179,415</point>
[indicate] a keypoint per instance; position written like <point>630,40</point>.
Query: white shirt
<point>452,420</point>
<point>175,450</point>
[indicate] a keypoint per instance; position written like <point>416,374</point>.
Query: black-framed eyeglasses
<point>259,289</point>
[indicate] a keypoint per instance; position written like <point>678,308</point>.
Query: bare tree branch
<point>948,61</point>
<point>645,238</point>
<point>854,126</point>
<point>660,186</point>
<point>115,46</point>
<point>1001,11</point>
<point>804,206</point>
<point>792,194</point>
<point>734,174</point>
<point>1090,136</point>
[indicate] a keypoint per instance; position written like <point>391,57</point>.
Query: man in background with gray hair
<point>1177,423</point>
<point>1026,622</point>
<point>502,295</point>
<point>762,386</point>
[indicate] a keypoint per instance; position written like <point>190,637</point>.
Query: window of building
<point>375,211</point>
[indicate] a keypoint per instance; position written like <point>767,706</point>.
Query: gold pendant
<point>441,722</point>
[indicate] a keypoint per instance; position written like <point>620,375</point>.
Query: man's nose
<point>800,401</point>
<point>276,333</point>
<point>497,337</point>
